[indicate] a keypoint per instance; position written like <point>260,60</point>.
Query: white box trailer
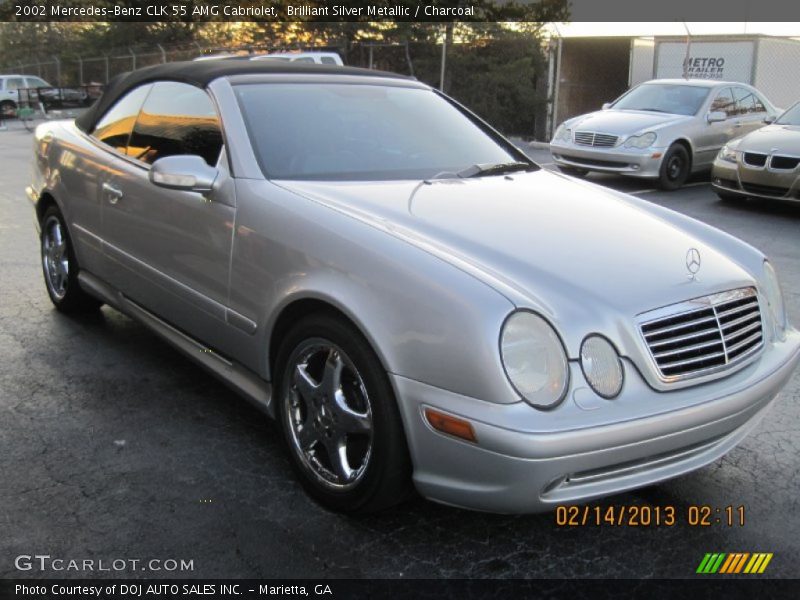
<point>770,64</point>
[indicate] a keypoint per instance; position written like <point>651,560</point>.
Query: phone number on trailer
<point>623,515</point>
<point>151,10</point>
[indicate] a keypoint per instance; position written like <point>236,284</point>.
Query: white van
<point>10,86</point>
<point>321,58</point>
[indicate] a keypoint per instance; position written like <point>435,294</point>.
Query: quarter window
<point>35,82</point>
<point>116,125</point>
<point>176,118</point>
<point>747,102</point>
<point>724,102</point>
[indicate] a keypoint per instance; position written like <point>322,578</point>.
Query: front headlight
<point>563,134</point>
<point>774,295</point>
<point>601,366</point>
<point>534,359</point>
<point>727,153</point>
<point>641,141</point>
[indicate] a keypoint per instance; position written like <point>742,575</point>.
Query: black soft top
<point>203,72</point>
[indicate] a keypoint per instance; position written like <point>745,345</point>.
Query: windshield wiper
<point>496,169</point>
<point>654,110</point>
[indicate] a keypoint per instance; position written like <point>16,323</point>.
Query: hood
<point>542,239</point>
<point>624,122</point>
<point>772,138</point>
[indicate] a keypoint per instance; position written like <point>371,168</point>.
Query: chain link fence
<point>501,80</point>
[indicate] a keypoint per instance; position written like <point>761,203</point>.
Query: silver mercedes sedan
<point>664,130</point>
<point>417,303</point>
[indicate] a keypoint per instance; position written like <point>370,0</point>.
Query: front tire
<point>8,108</point>
<point>339,418</point>
<point>60,267</point>
<point>675,168</point>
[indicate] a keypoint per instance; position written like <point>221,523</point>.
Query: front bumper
<point>745,181</point>
<point>530,461</point>
<point>623,161</point>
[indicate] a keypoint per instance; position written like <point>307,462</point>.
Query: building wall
<point>592,71</point>
<point>777,71</point>
<point>729,60</point>
<point>643,54</point>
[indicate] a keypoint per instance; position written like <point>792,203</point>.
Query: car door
<point>87,167</point>
<point>169,250</point>
<point>713,136</point>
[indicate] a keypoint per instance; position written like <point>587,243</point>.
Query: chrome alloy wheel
<point>329,414</point>
<point>55,258</point>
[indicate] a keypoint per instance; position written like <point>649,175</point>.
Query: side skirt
<point>239,378</point>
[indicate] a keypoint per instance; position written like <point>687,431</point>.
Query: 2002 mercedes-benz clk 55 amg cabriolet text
<point>412,298</point>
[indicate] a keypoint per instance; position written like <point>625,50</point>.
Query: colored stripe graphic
<point>703,563</point>
<point>732,558</point>
<point>715,567</point>
<point>711,562</point>
<point>735,562</point>
<point>740,564</point>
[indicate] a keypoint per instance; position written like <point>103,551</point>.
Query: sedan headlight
<point>534,359</point>
<point>601,366</point>
<point>774,296</point>
<point>641,141</point>
<point>563,134</point>
<point>728,153</point>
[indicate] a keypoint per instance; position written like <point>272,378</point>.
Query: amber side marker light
<point>451,425</point>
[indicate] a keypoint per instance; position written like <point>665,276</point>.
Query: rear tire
<point>675,168</point>
<point>339,417</point>
<point>60,267</point>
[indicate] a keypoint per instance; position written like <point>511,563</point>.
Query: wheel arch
<point>300,307</point>
<point>689,148</point>
<point>45,200</point>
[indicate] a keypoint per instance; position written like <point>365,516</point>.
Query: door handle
<point>114,194</point>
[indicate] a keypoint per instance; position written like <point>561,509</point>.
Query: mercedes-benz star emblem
<point>693,262</point>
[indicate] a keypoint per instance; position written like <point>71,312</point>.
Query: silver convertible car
<point>664,129</point>
<point>411,298</point>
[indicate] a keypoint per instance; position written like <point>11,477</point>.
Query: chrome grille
<point>599,140</point>
<point>704,335</point>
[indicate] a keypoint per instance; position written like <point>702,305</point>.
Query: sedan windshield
<point>312,131</point>
<point>790,117</point>
<point>665,98</point>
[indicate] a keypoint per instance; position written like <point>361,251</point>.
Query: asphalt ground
<point>114,446</point>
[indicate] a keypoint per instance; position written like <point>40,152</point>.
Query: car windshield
<point>790,117</point>
<point>664,97</point>
<point>312,131</point>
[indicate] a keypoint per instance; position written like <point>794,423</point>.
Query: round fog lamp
<point>601,366</point>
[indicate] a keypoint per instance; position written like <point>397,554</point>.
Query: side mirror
<point>606,105</point>
<point>769,119</point>
<point>186,172</point>
<point>715,116</point>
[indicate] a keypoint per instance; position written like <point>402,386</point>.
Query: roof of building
<point>695,82</point>
<point>201,73</point>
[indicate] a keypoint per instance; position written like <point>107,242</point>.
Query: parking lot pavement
<point>114,446</point>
